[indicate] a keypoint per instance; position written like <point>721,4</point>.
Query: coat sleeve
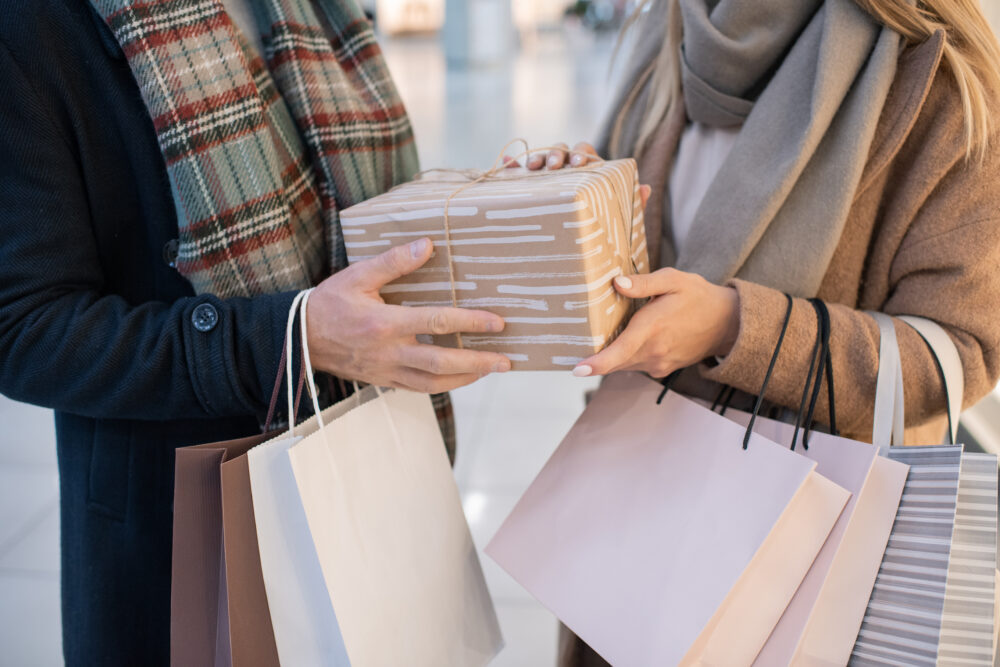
<point>67,344</point>
<point>944,269</point>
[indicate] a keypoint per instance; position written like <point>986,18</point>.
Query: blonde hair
<point>971,54</point>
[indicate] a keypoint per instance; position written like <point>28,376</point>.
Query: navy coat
<point>96,324</point>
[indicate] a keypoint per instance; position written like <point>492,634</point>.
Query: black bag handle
<point>819,365</point>
<point>770,370</point>
<point>728,392</point>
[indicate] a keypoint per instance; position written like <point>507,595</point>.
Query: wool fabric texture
<point>262,156</point>
<point>808,81</point>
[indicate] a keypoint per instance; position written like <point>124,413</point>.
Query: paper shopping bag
<point>822,620</point>
<point>968,621</point>
<point>654,536</point>
<point>396,555</point>
<point>934,599</point>
<point>306,629</point>
<point>218,610</point>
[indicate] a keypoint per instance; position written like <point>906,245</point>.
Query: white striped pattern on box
<point>540,249</point>
<point>902,625</point>
<point>967,629</point>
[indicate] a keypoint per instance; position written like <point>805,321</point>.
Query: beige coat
<point>922,238</point>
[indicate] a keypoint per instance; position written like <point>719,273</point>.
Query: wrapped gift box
<point>540,249</point>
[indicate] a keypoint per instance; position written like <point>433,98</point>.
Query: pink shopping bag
<point>658,539</point>
<point>822,620</point>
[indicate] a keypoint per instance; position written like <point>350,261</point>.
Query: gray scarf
<point>808,80</point>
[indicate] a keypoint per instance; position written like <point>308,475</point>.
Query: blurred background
<point>474,74</point>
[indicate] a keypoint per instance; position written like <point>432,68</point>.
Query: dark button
<point>205,317</point>
<point>170,250</point>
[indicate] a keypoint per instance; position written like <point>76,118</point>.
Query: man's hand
<point>355,335</point>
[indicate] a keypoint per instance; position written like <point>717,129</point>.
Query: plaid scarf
<point>261,157</point>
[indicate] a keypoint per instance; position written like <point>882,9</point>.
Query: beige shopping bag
<point>822,620</point>
<point>397,559</point>
<point>658,539</point>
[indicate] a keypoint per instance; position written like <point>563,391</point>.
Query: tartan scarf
<point>261,157</point>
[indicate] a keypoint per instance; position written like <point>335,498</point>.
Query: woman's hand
<point>557,158</point>
<point>355,335</point>
<point>688,319</point>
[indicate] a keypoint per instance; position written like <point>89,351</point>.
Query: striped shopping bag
<point>934,598</point>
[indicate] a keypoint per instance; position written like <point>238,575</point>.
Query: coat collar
<point>917,67</point>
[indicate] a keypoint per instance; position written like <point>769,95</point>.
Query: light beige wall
<point>992,10</point>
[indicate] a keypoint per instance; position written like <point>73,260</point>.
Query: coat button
<point>205,317</point>
<point>170,250</point>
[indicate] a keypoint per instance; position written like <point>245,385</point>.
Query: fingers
<point>616,356</point>
<point>372,274</point>
<point>445,361</point>
<point>510,163</point>
<point>536,161</point>
<point>557,157</point>
<point>416,320</point>
<point>581,153</point>
<point>427,383</point>
<point>642,285</point>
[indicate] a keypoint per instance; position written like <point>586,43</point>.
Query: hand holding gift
<point>687,319</point>
<point>354,334</point>
<point>538,247</point>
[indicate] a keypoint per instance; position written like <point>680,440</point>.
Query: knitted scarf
<point>807,80</point>
<point>261,157</point>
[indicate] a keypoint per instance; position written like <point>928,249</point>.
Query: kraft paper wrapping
<point>540,249</point>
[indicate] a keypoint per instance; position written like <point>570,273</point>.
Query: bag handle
<point>819,365</point>
<point>888,424</point>
<point>949,366</point>
<point>299,305</point>
<point>668,381</point>
<point>889,391</point>
<point>286,351</point>
<point>310,373</point>
<point>770,370</point>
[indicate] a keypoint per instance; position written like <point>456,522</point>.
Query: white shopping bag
<point>658,539</point>
<point>397,559</point>
<point>305,626</point>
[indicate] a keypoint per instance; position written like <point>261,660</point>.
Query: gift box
<point>538,248</point>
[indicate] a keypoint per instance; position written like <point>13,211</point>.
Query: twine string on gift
<point>499,165</point>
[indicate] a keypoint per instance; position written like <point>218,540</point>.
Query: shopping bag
<point>822,620</point>
<point>397,560</point>
<point>968,614</point>
<point>934,598</point>
<point>218,612</point>
<point>306,629</point>
<point>659,540</point>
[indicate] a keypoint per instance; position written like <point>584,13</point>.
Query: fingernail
<point>582,371</point>
<point>501,366</point>
<point>624,282</point>
<point>553,159</point>
<point>495,325</point>
<point>576,160</point>
<point>418,248</point>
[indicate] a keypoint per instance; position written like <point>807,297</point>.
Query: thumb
<point>392,264</point>
<point>642,285</point>
<point>644,192</point>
